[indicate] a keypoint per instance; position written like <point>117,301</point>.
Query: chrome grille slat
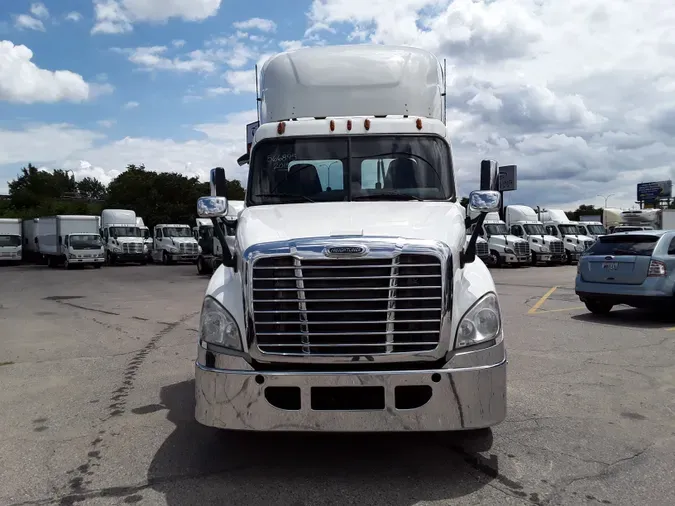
<point>482,249</point>
<point>522,248</point>
<point>557,247</point>
<point>346,307</point>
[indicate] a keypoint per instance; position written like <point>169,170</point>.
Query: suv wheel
<point>598,307</point>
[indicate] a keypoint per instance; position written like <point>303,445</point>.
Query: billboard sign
<point>250,133</point>
<point>654,191</point>
<point>508,178</point>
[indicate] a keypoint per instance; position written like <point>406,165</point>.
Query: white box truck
<point>349,301</point>
<point>70,240</point>
<point>121,237</point>
<point>10,240</point>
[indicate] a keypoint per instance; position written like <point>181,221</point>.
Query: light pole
<point>605,206</point>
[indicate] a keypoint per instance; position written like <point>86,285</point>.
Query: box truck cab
<point>121,237</point>
<point>559,225</point>
<point>349,301</point>
<point>10,240</point>
<point>174,243</point>
<point>592,229</point>
<point>504,248</point>
<point>523,222</point>
<point>211,253</point>
<point>70,240</point>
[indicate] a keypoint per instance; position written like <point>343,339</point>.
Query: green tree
<point>91,188</point>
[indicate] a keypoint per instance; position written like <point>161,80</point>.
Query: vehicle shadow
<point>631,317</point>
<point>200,465</point>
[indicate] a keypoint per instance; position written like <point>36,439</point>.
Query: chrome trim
<point>380,248</point>
<point>468,392</point>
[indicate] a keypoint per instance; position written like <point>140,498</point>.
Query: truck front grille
<point>188,248</point>
<point>521,248</point>
<point>482,249</point>
<point>557,247</point>
<point>132,247</point>
<point>335,307</point>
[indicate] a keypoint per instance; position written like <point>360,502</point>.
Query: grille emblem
<point>349,251</point>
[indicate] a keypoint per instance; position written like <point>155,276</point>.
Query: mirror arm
<point>468,255</point>
<point>470,221</point>
<point>228,258</point>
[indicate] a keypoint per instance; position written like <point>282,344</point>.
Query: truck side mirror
<point>212,207</point>
<point>218,182</point>
<point>483,201</point>
<point>489,175</point>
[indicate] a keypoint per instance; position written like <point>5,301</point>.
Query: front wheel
<point>598,307</point>
<point>495,259</point>
<point>165,258</point>
<point>533,261</point>
<point>66,264</point>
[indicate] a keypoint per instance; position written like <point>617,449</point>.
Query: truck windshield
<point>10,240</point>
<point>177,232</point>
<point>125,232</point>
<point>568,229</point>
<point>535,229</point>
<point>497,229</point>
<point>85,241</point>
<point>319,169</point>
<point>596,229</point>
<point>146,233</point>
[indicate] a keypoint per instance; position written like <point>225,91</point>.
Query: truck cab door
<point>157,241</point>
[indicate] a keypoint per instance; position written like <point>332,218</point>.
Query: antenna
<point>257,95</point>
<point>445,92</point>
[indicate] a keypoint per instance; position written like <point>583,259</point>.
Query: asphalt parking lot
<point>96,369</point>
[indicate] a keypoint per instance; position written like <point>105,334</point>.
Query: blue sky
<point>578,94</point>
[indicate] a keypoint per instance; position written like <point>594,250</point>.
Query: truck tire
<point>165,258</point>
<point>66,264</point>
<point>495,258</point>
<point>598,306</point>
<point>534,258</point>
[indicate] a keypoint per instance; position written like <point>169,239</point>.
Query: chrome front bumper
<point>468,393</point>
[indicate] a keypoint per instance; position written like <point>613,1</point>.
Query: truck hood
<point>510,239</point>
<point>129,240</point>
<point>184,240</point>
<point>440,221</point>
<point>548,239</point>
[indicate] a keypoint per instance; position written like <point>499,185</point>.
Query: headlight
<point>481,323</point>
<point>544,249</point>
<point>509,251</point>
<point>217,326</point>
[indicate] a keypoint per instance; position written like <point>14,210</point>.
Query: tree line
<point>157,197</point>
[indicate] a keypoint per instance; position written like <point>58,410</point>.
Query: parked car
<point>633,268</point>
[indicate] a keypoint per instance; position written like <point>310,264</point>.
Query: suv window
<point>671,247</point>
<point>634,244</point>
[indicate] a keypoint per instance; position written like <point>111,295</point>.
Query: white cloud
<point>118,16</point>
<point>264,25</point>
<point>21,81</point>
<point>291,45</point>
<point>92,154</point>
<point>178,43</point>
<point>106,123</point>
<point>26,22</point>
<point>243,81</point>
<point>578,94</point>
<point>152,58</point>
<point>39,10</point>
<point>74,16</point>
<point>131,105</point>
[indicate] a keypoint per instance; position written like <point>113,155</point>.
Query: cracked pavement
<point>97,398</point>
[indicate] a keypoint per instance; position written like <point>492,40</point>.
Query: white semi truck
<point>174,242</point>
<point>210,252</point>
<point>145,234</point>
<point>482,249</point>
<point>352,305</point>
<point>523,222</point>
<point>504,248</point>
<point>10,240</point>
<point>70,240</point>
<point>121,237</point>
<point>559,225</point>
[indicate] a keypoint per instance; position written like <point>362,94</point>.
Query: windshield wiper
<point>385,195</point>
<point>285,195</point>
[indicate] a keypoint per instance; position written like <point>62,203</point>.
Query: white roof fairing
<point>351,80</point>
